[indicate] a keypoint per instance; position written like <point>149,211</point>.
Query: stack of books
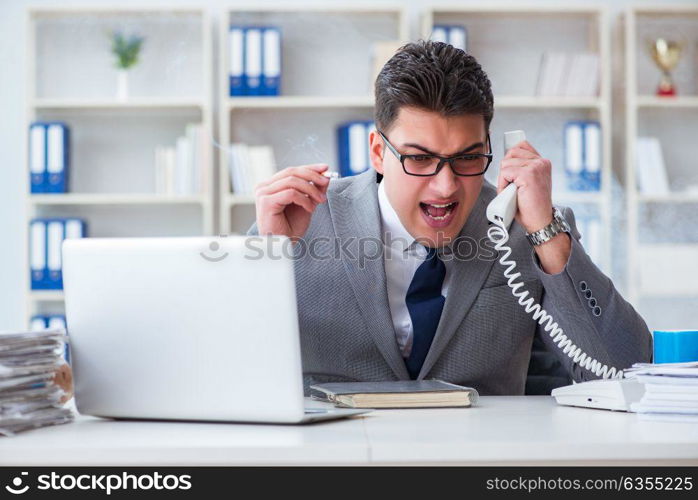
<point>181,170</point>
<point>671,391</point>
<point>250,165</point>
<point>651,172</point>
<point>46,237</point>
<point>582,139</point>
<point>255,60</point>
<point>29,395</point>
<point>568,75</point>
<point>49,156</point>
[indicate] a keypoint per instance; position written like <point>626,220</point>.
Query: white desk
<point>500,431</point>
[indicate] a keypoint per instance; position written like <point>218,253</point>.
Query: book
<point>396,394</point>
<point>568,74</point>
<point>250,165</point>
<point>651,171</point>
<point>181,169</point>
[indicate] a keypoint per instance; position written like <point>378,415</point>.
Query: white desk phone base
<point>612,392</point>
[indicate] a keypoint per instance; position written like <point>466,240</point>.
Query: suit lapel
<point>356,218</point>
<point>466,282</point>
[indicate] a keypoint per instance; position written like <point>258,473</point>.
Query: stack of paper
<point>671,391</point>
<point>29,397</point>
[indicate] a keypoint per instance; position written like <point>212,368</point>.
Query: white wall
<point>12,109</point>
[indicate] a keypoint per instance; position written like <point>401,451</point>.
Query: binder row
<point>255,60</point>
<point>452,34</point>
<point>50,322</point>
<point>49,157</point>
<point>583,155</point>
<point>46,237</point>
<point>353,146</point>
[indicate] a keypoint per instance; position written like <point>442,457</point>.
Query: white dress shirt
<point>402,256</point>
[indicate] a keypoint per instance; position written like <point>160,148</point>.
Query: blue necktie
<point>425,303</point>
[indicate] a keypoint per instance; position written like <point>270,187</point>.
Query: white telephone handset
<point>501,212</point>
<point>502,209</point>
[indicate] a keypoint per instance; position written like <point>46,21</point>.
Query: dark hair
<point>433,76</point>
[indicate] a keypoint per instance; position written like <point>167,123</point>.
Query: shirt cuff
<point>539,269</point>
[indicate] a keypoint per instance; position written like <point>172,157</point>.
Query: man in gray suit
<point>396,279</point>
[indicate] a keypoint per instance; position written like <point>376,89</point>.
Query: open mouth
<point>438,214</point>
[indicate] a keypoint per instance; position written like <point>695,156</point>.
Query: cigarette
<point>330,175</point>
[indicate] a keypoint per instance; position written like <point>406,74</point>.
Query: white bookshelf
<point>71,79</point>
<point>325,80</point>
<point>659,226</point>
<point>495,36</point>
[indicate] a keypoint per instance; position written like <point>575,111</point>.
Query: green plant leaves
<point>126,49</point>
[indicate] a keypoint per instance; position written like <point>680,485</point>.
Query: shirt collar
<point>394,233</point>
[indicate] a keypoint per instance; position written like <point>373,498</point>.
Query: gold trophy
<point>665,54</point>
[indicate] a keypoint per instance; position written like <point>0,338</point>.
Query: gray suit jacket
<point>484,337</point>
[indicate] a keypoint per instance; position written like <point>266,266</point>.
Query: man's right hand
<point>285,203</point>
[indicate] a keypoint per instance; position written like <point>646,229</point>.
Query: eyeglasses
<point>426,165</point>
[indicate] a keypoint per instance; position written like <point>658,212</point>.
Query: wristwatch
<point>557,226</point>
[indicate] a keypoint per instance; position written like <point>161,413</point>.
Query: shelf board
<point>69,10</point>
<point>287,102</point>
<point>240,199</point>
<point>46,295</point>
<point>673,197</point>
<point>510,8</point>
<point>111,104</point>
<point>114,199</point>
<point>650,101</point>
<point>547,102</point>
<point>668,10</point>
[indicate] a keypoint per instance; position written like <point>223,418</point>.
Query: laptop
<point>186,329</point>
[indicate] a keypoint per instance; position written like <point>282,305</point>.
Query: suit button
<point>592,302</point>
<point>588,294</point>
<point>583,285</point>
<point>597,311</point>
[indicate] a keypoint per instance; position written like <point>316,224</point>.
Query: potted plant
<point>126,49</point>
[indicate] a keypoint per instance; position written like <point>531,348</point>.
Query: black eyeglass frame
<point>442,159</point>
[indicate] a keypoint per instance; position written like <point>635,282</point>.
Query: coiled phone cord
<point>499,235</point>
